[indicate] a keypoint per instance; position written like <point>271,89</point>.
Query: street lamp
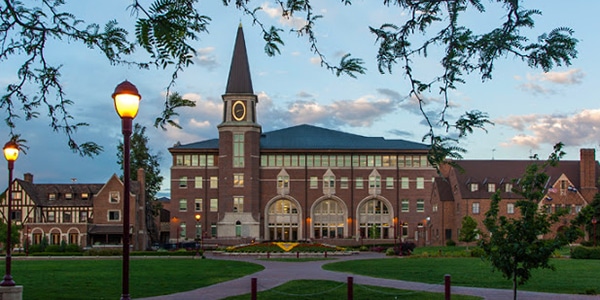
<point>11,152</point>
<point>127,101</point>
<point>594,221</point>
<point>197,217</point>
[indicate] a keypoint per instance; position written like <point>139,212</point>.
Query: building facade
<point>88,215</point>
<point>310,183</point>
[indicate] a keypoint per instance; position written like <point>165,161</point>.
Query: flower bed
<point>281,247</point>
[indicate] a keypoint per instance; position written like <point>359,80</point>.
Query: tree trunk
<point>514,285</point>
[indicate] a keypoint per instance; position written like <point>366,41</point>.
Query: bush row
<point>585,253</point>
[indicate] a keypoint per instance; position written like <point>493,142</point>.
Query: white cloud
<point>205,57</point>
<point>544,83</point>
<point>277,13</point>
<point>576,129</point>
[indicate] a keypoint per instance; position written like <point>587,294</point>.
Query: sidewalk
<point>277,273</point>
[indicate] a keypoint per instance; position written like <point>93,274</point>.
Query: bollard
<point>297,254</point>
<point>325,254</point>
<point>350,288</point>
<point>253,288</point>
<point>447,295</point>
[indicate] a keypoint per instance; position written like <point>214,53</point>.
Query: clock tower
<point>239,151</point>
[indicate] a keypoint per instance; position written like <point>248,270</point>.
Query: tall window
<point>182,205</point>
<point>510,208</point>
<point>83,216</point>
<point>238,180</point>
<point>67,217</point>
<point>420,205</point>
<point>405,205</point>
<point>214,205</point>
<point>51,217</point>
<point>114,215</point>
<point>374,181</point>
<point>475,208</point>
<point>404,183</point>
<point>329,181</point>
<point>389,182</point>
<point>283,181</point>
<point>214,182</point>
<point>113,197</point>
<point>198,204</point>
<point>238,204</point>
<point>359,183</point>
<point>314,182</point>
<point>420,183</point>
<point>198,182</point>
<point>238,150</point>
<point>183,182</point>
<point>344,182</point>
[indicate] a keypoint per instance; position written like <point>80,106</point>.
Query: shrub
<point>586,253</point>
<point>450,243</point>
<point>72,248</point>
<point>477,252</point>
<point>53,248</point>
<point>390,252</point>
<point>363,248</point>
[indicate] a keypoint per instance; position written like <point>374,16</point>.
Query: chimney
<point>28,177</point>
<point>587,173</point>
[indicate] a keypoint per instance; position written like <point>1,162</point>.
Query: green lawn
<point>331,290</point>
<point>570,277</point>
<point>101,279</point>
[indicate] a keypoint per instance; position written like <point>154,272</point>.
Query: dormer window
<point>69,196</point>
<point>52,196</point>
<point>474,187</point>
<point>85,196</point>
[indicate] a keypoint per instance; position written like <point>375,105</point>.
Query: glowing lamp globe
<point>127,100</point>
<point>11,151</point>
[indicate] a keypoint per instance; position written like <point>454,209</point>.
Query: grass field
<point>101,279</point>
<point>331,290</point>
<point>571,276</point>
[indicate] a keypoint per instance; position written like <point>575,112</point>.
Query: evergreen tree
<point>141,157</point>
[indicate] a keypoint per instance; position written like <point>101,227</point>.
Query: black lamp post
<point>594,221</point>
<point>11,152</point>
<point>127,101</point>
<point>198,237</point>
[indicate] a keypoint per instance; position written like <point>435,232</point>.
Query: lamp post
<point>594,221</point>
<point>11,152</point>
<point>127,100</point>
<point>198,237</point>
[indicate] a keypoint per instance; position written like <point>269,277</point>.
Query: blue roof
<point>308,137</point>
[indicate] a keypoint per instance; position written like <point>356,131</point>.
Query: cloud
<point>277,13</point>
<point>573,129</point>
<point>542,84</point>
<point>205,58</point>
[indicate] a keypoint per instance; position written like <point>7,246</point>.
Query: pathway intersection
<point>277,273</point>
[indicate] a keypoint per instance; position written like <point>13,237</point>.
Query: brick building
<point>297,183</point>
<point>76,213</point>
<point>306,182</point>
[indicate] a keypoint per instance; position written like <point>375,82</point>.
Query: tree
<point>15,233</point>
<point>585,216</point>
<point>513,246</point>
<point>468,230</point>
<point>165,31</point>
<point>141,157</point>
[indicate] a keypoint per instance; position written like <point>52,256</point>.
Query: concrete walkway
<point>277,273</point>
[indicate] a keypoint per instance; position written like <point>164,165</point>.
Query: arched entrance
<point>283,220</point>
<point>375,219</point>
<point>329,219</point>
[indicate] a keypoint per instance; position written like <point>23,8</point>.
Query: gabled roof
<point>309,137</point>
<point>500,172</point>
<point>39,193</point>
<point>443,189</point>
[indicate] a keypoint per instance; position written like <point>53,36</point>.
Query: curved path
<point>277,273</point>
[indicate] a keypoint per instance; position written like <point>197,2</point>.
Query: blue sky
<point>531,110</point>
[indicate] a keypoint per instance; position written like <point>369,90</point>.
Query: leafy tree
<point>514,247</point>
<point>166,31</point>
<point>15,234</point>
<point>141,157</point>
<point>468,230</point>
<point>585,216</point>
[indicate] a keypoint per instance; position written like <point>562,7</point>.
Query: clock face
<point>238,110</point>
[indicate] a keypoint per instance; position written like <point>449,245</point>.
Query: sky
<point>531,110</point>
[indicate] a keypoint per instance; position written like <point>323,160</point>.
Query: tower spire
<point>239,81</point>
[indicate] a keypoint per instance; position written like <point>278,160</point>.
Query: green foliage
<point>450,243</point>
<point>585,253</point>
<point>14,233</point>
<point>514,247</point>
<point>584,218</point>
<point>166,31</point>
<point>468,230</point>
